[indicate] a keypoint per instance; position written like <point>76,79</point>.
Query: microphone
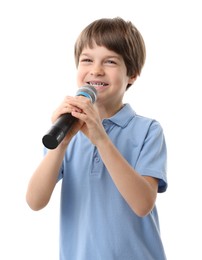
<point>63,124</point>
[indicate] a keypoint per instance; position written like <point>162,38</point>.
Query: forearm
<point>44,179</point>
<point>138,191</point>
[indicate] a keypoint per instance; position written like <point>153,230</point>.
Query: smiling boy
<point>112,163</point>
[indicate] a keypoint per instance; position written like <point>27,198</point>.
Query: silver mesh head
<point>88,91</point>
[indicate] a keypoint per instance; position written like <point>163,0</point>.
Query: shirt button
<point>97,159</point>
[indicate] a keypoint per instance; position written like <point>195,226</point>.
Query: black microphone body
<point>64,123</point>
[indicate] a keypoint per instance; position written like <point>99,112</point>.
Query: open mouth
<point>97,85</point>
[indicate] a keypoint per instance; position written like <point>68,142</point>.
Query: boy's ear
<point>132,79</point>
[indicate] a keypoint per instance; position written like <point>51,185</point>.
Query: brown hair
<point>117,35</point>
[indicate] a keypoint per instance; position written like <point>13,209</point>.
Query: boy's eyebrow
<point>84,54</point>
<point>107,56</point>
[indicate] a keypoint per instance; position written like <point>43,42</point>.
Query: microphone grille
<point>89,92</point>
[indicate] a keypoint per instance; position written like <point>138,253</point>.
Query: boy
<point>112,162</point>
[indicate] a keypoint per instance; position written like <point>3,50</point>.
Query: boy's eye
<point>111,62</point>
<point>85,60</point>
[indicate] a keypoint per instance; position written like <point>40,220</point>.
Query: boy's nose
<point>97,70</point>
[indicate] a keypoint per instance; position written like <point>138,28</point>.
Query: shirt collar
<point>122,117</point>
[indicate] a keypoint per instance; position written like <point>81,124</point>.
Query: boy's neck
<point>107,112</point>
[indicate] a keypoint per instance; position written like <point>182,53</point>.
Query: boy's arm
<point>44,179</point>
<point>139,191</point>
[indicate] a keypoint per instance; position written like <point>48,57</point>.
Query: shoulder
<point>145,125</point>
<point>149,124</point>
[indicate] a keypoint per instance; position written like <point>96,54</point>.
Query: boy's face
<point>106,71</point>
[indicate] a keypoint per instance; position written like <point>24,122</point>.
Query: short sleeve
<point>153,156</point>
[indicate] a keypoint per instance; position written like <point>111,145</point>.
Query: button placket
<point>96,163</point>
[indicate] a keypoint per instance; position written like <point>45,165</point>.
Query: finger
<point>80,102</point>
<point>80,115</point>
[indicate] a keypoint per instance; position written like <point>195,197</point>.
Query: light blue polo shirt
<point>96,222</point>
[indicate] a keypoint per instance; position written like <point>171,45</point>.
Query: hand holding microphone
<point>63,124</point>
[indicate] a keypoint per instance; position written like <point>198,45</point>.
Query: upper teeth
<point>97,83</point>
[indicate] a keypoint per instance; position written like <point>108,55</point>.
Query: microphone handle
<point>62,125</point>
<point>58,131</point>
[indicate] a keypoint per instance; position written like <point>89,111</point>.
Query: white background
<point>37,70</point>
